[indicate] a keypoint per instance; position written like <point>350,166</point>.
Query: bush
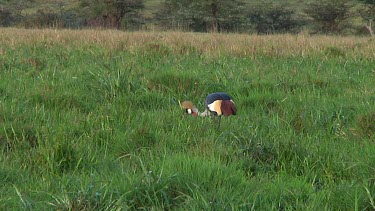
<point>329,16</point>
<point>8,17</point>
<point>270,18</point>
<point>42,19</point>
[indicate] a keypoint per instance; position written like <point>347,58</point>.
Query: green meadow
<point>90,120</point>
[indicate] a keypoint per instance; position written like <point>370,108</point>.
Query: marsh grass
<point>91,120</point>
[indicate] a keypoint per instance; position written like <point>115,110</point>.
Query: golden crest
<point>187,105</point>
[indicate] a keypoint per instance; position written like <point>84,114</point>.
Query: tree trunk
<point>369,28</point>
<point>214,11</point>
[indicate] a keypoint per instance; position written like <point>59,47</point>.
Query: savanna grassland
<point>91,120</point>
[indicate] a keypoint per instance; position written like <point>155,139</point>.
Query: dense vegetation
<point>91,120</point>
<point>345,17</point>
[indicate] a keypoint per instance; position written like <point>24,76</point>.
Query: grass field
<point>91,120</point>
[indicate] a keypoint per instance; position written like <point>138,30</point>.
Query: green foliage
<point>263,17</point>
<point>10,14</point>
<point>368,1</point>
<point>114,13</point>
<point>330,15</point>
<point>368,14</point>
<point>366,124</point>
<point>202,16</point>
<point>87,126</point>
<point>270,18</point>
<point>43,19</point>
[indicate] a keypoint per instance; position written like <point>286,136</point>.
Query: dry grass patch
<point>187,42</point>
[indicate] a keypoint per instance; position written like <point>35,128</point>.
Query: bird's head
<point>189,107</point>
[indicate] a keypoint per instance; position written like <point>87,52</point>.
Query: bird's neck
<point>204,113</point>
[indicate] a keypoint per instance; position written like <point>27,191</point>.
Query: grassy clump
<point>366,124</point>
<point>95,123</point>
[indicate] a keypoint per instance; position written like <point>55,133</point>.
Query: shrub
<point>329,16</point>
<point>270,18</point>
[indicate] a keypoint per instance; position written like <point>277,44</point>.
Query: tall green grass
<point>97,125</point>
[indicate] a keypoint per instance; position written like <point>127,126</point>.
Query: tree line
<point>245,16</point>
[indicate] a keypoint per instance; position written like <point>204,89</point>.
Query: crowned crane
<point>217,104</point>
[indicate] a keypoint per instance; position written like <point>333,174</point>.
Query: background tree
<point>270,18</point>
<point>329,15</point>
<point>11,12</point>
<point>6,16</point>
<point>220,15</point>
<point>43,19</point>
<point>114,13</point>
<point>264,17</point>
<point>368,14</point>
<point>202,16</point>
<point>175,14</point>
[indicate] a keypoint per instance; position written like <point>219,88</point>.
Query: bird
<point>189,108</point>
<point>217,104</point>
